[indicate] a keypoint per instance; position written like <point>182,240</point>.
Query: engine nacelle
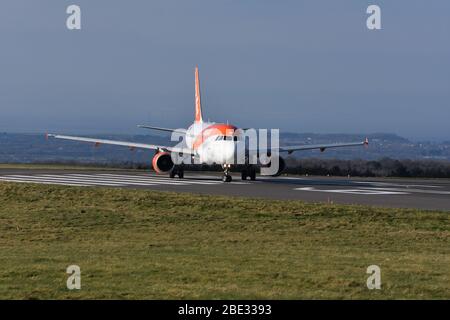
<point>162,162</point>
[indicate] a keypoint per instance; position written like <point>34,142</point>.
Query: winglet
<point>49,135</point>
<point>366,142</point>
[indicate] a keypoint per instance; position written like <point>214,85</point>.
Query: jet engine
<point>162,162</point>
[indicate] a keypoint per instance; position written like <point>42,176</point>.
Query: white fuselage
<point>212,142</point>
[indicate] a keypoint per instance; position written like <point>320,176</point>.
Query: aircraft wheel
<point>253,175</point>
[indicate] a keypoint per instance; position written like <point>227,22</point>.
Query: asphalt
<point>396,193</point>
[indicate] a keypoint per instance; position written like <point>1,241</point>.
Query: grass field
<point>157,245</point>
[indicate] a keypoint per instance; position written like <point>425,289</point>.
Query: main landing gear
<point>248,171</point>
<point>177,170</point>
<point>226,173</point>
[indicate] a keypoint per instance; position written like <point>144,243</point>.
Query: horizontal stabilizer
<point>161,129</point>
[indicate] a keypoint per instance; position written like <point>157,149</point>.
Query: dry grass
<point>158,245</point>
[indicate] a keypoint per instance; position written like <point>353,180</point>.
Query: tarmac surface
<point>407,193</point>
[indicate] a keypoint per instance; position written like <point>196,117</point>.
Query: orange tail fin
<point>198,103</point>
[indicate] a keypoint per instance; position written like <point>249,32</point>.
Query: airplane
<point>212,143</point>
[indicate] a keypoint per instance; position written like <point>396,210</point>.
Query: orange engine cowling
<point>162,162</point>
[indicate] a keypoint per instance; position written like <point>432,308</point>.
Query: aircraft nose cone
<point>228,152</point>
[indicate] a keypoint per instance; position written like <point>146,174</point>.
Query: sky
<point>300,66</point>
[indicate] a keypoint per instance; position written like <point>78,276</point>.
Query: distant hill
<point>29,148</point>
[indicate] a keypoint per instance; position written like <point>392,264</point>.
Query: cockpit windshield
<point>227,138</point>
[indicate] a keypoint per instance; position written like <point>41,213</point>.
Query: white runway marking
<point>107,179</point>
<point>365,191</point>
<point>390,184</point>
<point>37,179</point>
<point>100,179</point>
<point>414,190</point>
<point>160,179</point>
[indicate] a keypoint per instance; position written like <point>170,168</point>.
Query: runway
<point>406,193</point>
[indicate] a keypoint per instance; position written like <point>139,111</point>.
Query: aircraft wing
<point>131,145</point>
<point>322,147</point>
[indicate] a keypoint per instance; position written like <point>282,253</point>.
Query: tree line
<point>385,167</point>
